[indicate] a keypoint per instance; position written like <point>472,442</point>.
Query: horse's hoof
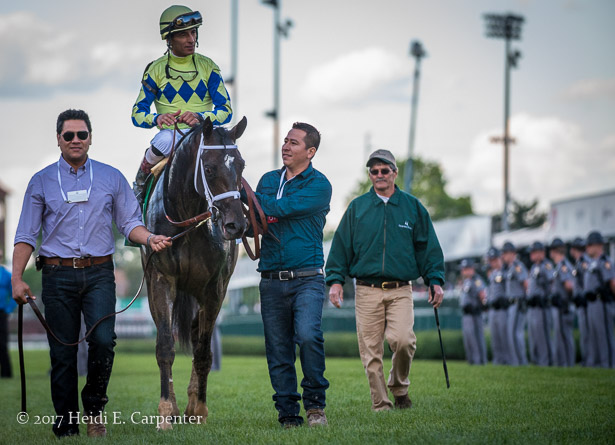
<point>198,415</point>
<point>165,413</point>
<point>164,426</point>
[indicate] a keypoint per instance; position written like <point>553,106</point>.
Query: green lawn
<point>484,405</point>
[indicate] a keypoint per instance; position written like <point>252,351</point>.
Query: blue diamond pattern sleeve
<point>191,85</point>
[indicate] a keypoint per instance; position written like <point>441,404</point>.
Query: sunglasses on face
<point>375,171</point>
<point>70,135</point>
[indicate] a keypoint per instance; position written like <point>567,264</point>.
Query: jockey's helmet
<point>178,18</point>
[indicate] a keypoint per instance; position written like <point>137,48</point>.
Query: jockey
<point>182,84</point>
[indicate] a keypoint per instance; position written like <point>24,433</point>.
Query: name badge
<point>77,196</point>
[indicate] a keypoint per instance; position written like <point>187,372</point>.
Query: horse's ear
<point>238,129</point>
<point>208,128</point>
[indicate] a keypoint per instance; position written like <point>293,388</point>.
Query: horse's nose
<point>233,228</point>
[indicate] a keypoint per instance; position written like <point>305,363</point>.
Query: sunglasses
<point>375,171</point>
<point>70,135</point>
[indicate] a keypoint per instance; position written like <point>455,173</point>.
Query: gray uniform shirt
<point>562,273</point>
<point>516,274</point>
<point>497,285</point>
<point>598,274</point>
<point>541,278</point>
<point>470,291</point>
<point>580,268</point>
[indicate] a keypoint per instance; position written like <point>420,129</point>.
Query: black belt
<point>500,303</point>
<point>593,296</point>
<point>285,275</point>
<point>383,284</point>
<point>77,263</point>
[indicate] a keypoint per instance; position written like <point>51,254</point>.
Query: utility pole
<point>508,27</point>
<point>418,52</point>
<point>279,29</point>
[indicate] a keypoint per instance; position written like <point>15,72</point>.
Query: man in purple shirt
<point>74,203</point>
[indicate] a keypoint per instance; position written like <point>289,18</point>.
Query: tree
<point>428,185</point>
<point>521,215</point>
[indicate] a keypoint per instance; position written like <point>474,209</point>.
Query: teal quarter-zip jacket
<point>296,214</point>
<point>392,241</point>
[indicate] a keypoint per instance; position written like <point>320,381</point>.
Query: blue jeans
<point>292,314</point>
<point>66,293</point>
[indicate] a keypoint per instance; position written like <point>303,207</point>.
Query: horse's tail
<point>184,310</point>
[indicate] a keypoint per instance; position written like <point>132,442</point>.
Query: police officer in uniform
<point>498,309</point>
<point>473,299</point>
<point>563,317</point>
<point>516,276</point>
<point>581,262</point>
<point>538,312</point>
<point>599,287</point>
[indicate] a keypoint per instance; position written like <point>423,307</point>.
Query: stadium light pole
<point>418,52</point>
<point>507,27</point>
<point>279,30</point>
<point>232,79</point>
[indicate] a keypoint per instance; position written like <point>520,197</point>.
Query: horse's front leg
<point>202,329</point>
<point>160,306</point>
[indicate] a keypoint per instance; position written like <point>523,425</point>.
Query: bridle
<point>211,198</point>
<point>253,206</point>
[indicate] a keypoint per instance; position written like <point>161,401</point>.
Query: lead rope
<point>41,318</point>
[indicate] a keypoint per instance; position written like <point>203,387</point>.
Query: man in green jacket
<point>384,240</point>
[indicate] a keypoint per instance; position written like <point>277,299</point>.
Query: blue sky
<point>345,69</point>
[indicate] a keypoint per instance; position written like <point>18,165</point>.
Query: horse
<point>187,283</point>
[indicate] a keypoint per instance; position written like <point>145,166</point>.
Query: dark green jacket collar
<point>394,199</point>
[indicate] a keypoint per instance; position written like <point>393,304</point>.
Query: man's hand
<point>160,242</point>
<point>167,119</point>
<point>436,294</point>
<point>189,118</point>
<point>483,297</point>
<point>20,290</point>
<point>336,295</point>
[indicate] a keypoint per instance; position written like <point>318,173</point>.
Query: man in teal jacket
<point>292,289</point>
<point>384,240</point>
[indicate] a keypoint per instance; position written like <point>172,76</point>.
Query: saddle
<point>151,181</point>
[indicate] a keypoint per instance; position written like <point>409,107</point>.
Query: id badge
<point>77,196</point>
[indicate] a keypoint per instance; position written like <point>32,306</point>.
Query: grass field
<point>484,405</point>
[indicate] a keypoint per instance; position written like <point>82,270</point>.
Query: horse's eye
<point>209,171</point>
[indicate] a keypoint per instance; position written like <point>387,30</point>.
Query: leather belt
<point>384,284</point>
<point>77,263</point>
<point>286,275</point>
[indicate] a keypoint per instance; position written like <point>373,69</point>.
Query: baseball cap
<point>557,242</point>
<point>384,156</point>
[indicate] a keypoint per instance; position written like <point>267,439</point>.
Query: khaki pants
<point>385,314</point>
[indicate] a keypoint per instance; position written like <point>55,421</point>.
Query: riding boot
<point>140,180</point>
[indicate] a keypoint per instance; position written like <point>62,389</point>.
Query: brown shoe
<point>96,428</point>
<point>403,402</point>
<point>316,417</point>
